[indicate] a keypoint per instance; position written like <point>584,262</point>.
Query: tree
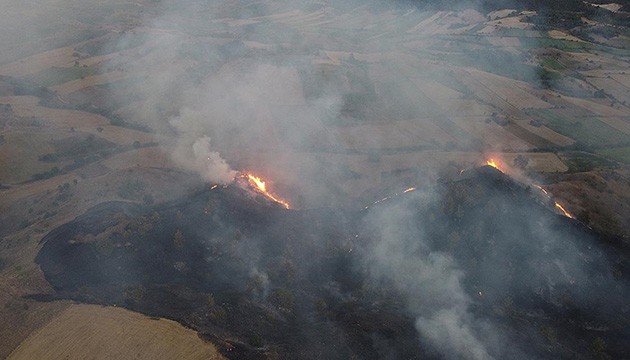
<point>178,239</point>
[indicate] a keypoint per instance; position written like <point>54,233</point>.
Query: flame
<point>541,189</point>
<point>566,213</point>
<point>259,184</point>
<point>409,190</point>
<point>494,164</point>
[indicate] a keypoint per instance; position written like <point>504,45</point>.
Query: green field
<point>579,161</point>
<point>59,75</point>
<point>586,131</point>
<point>621,154</point>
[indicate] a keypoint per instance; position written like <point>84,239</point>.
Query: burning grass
<point>260,186</point>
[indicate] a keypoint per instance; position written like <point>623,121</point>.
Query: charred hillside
<point>480,256</point>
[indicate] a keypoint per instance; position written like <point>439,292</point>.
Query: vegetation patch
<point>588,132</point>
<point>580,161</point>
<point>621,154</point>
<point>564,45</point>
<point>59,75</point>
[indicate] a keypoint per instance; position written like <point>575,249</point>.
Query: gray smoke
<point>430,281</point>
<point>209,163</point>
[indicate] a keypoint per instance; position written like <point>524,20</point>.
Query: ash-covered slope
<point>474,268</point>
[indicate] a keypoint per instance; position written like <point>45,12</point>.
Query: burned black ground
<point>260,280</point>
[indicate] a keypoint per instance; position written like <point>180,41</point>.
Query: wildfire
<point>409,190</point>
<point>494,164</point>
<point>566,213</point>
<point>259,184</point>
<point>542,190</point>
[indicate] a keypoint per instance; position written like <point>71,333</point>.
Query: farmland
<point>89,331</point>
<point>334,106</point>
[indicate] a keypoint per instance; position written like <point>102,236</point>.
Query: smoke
<point>430,280</point>
<point>209,163</point>
<point>309,101</point>
<point>305,106</point>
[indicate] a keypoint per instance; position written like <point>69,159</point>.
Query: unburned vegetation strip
<point>586,131</point>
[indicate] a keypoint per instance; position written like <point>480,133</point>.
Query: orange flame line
<point>566,213</point>
<point>260,185</point>
<point>494,164</point>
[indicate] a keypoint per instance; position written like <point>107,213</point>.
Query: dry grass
<point>61,57</point>
<point>19,154</point>
<point>517,93</point>
<point>619,123</point>
<point>96,332</point>
<point>27,106</point>
<point>145,157</point>
<point>492,134</point>
<point>600,107</point>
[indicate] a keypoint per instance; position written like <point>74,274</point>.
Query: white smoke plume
<point>210,165</point>
<point>430,282</point>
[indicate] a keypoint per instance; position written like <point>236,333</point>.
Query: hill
<point>480,262</point>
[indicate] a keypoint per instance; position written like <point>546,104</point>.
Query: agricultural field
<point>335,106</point>
<point>96,332</point>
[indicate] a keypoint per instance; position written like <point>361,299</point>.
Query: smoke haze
<point>338,104</point>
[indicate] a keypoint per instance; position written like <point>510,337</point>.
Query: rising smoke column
<point>430,281</point>
<point>210,165</point>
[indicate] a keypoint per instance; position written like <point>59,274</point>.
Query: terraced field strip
<point>88,81</point>
<point>612,87</point>
<point>492,134</point>
<point>600,107</point>
<point>620,123</point>
<point>28,107</point>
<point>520,125</point>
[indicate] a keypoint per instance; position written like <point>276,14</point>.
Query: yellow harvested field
<point>560,35</point>
<point>601,108</point>
<point>120,135</point>
<point>98,332</point>
<point>459,107</point>
<point>426,131</point>
<point>88,81</point>
<point>435,91</point>
<point>545,133</point>
<point>517,93</point>
<point>500,14</point>
<point>374,137</point>
<point>27,106</point>
<point>623,79</point>
<point>541,162</point>
<point>504,41</point>
<point>335,57</point>
<point>492,134</point>
<point>613,87</point>
<point>61,57</point>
